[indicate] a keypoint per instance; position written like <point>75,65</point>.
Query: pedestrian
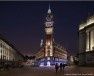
<point>61,65</point>
<point>64,66</point>
<point>56,67</point>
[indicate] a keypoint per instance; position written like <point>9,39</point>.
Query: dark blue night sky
<point>23,23</point>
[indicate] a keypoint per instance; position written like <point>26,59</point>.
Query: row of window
<point>7,52</point>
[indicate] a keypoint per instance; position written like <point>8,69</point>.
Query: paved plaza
<point>49,71</point>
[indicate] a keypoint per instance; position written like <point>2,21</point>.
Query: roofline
<point>89,21</point>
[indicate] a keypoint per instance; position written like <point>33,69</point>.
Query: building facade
<point>86,42</point>
<point>8,53</point>
<point>50,53</point>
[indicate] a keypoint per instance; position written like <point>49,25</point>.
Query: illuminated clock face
<point>49,30</point>
<point>49,24</point>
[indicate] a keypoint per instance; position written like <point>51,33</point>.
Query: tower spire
<point>49,10</point>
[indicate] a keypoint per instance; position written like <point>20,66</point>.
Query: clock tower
<point>49,34</point>
<point>50,52</point>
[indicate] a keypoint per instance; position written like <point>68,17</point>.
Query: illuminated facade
<point>60,55</point>
<point>8,53</point>
<point>86,42</point>
<point>50,53</point>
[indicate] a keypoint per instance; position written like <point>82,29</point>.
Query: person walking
<point>64,66</point>
<point>61,66</point>
<point>56,67</point>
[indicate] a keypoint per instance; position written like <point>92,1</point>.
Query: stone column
<point>87,41</point>
<point>92,40</point>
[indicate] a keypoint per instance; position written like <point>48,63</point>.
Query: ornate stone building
<point>86,42</point>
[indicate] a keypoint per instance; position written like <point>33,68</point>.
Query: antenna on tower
<point>49,6</point>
